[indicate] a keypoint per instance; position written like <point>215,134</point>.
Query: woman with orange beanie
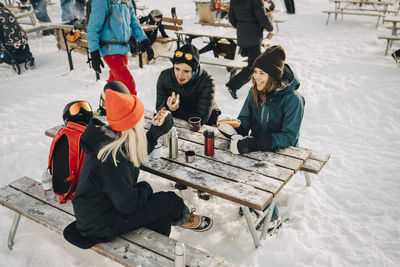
<point>109,201</point>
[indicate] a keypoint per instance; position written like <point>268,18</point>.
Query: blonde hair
<point>132,144</point>
<point>271,86</point>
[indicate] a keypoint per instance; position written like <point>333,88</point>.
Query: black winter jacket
<point>250,20</point>
<point>105,192</point>
<point>196,96</point>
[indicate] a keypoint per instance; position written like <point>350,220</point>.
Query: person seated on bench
<point>194,85</point>
<point>154,18</point>
<point>108,200</point>
<point>108,33</point>
<point>273,109</point>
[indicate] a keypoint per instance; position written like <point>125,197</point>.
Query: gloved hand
<point>227,130</point>
<point>96,61</point>
<point>146,46</point>
<point>156,131</point>
<point>244,145</point>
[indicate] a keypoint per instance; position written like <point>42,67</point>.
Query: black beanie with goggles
<point>188,54</point>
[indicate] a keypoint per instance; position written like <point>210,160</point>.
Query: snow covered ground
<point>350,216</point>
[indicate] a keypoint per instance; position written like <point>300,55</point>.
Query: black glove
<point>146,46</point>
<point>96,61</point>
<point>250,144</point>
<point>157,131</point>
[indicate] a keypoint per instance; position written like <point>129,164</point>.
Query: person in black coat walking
<point>194,86</point>
<point>250,20</point>
<point>108,200</point>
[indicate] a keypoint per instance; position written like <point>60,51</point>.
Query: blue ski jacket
<point>119,27</point>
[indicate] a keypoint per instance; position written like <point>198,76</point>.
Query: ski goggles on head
<point>179,54</point>
<point>75,108</point>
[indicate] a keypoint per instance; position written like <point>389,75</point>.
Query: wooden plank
<point>390,37</point>
<point>121,251</point>
<point>227,165</point>
<point>143,237</point>
<point>164,245</point>
<point>53,131</point>
<point>236,192</point>
<point>354,13</point>
<point>172,20</point>
<point>229,172</point>
<point>295,152</point>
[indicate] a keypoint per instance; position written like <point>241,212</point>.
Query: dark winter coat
<point>276,122</point>
<point>250,20</point>
<point>105,192</point>
<point>152,35</point>
<point>196,96</point>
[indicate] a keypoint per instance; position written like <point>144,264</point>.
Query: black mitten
<point>96,61</point>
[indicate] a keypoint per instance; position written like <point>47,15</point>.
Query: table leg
<point>13,230</point>
<point>251,226</point>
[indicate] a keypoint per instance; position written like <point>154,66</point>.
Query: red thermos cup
<point>208,143</point>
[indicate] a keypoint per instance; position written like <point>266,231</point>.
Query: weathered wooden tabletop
<point>251,180</point>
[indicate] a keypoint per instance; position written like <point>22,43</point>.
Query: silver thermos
<point>170,140</point>
<point>173,148</point>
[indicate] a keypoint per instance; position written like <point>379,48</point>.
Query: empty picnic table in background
<point>360,7</point>
<point>252,180</point>
<point>394,37</point>
<point>208,16</point>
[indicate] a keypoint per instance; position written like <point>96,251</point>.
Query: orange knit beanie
<point>123,111</point>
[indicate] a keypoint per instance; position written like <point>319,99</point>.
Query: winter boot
<point>198,223</point>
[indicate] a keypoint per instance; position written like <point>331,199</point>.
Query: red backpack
<point>65,160</point>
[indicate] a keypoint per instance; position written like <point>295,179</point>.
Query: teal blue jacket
<point>278,120</point>
<point>121,24</point>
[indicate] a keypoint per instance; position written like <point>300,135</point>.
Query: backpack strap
<point>111,3</point>
<point>76,156</point>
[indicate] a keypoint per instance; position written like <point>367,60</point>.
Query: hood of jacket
<point>97,134</point>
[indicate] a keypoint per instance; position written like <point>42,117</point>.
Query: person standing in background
<point>41,15</point>
<point>250,20</point>
<point>109,30</point>
<point>71,8</point>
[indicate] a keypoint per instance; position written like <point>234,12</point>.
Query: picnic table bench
<point>394,37</point>
<point>252,180</point>
<point>137,248</point>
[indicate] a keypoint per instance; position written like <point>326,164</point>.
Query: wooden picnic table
<point>214,34</point>
<point>251,181</point>
<point>378,6</point>
<point>394,21</point>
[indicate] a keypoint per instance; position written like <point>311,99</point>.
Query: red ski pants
<point>118,65</point>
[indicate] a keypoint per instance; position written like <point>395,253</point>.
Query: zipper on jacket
<point>262,113</point>
<point>269,109</point>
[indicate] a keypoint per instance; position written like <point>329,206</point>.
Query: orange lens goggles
<point>76,107</point>
<point>180,54</point>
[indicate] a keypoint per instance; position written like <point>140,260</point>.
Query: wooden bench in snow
<point>141,247</point>
<point>251,181</point>
<point>379,15</point>
<point>231,65</point>
<point>389,39</point>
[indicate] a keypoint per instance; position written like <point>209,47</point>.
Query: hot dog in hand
<point>159,118</point>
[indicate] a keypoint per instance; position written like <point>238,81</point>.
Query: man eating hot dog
<point>186,89</point>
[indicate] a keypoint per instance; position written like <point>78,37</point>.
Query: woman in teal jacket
<point>273,110</point>
<point>110,27</point>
